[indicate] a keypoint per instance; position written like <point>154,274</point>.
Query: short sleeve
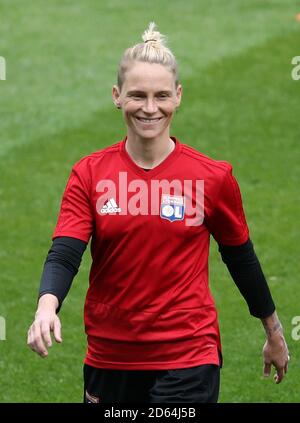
<point>227,222</point>
<point>75,218</point>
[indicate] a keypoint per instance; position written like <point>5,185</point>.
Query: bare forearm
<point>48,302</point>
<point>272,325</point>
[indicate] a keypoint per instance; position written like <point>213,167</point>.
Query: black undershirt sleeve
<point>61,265</point>
<point>247,274</point>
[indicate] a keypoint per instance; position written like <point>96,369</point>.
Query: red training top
<point>149,305</point>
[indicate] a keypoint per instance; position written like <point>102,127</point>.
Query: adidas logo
<point>110,207</point>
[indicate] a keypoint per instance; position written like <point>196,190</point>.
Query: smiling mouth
<point>148,120</point>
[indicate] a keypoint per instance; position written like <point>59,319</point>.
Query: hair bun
<point>151,35</point>
<point>154,52</point>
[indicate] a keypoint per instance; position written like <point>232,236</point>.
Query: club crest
<point>172,207</point>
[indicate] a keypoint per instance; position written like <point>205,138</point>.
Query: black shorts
<point>192,385</point>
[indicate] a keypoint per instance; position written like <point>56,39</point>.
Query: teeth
<point>148,120</point>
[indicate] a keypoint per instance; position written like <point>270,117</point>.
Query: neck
<point>147,152</point>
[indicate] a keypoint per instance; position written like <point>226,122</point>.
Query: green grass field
<point>240,104</point>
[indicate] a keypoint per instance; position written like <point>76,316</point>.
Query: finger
<point>38,343</point>
<point>57,330</point>
<point>29,338</point>
<point>286,367</point>
<point>267,369</point>
<point>279,375</point>
<point>46,334</point>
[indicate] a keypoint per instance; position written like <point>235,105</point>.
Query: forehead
<point>148,76</point>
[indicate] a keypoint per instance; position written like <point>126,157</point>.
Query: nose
<point>149,105</point>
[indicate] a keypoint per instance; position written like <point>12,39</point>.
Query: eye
<point>136,96</point>
<point>163,96</point>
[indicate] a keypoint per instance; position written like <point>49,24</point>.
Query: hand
<point>46,321</point>
<point>275,352</point>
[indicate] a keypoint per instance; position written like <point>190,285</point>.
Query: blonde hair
<point>152,50</point>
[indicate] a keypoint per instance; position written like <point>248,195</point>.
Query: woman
<point>150,204</point>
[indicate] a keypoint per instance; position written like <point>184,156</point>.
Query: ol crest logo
<point>172,207</point>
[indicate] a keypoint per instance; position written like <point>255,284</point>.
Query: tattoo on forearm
<point>274,327</point>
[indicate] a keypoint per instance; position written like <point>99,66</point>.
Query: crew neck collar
<point>155,170</point>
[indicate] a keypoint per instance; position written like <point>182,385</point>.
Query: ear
<point>116,96</point>
<point>178,95</point>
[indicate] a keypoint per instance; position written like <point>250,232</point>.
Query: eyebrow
<point>134,92</point>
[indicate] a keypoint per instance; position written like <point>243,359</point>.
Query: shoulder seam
<point>224,165</point>
<point>97,154</point>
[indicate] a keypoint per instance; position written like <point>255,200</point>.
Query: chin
<point>149,135</point>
